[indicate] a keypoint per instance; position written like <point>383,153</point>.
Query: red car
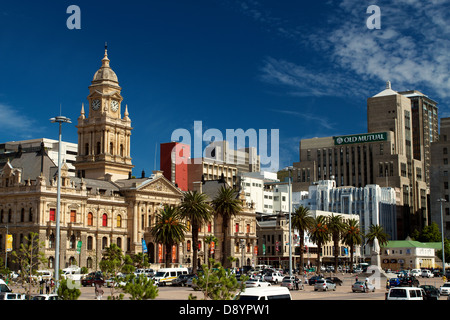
<point>92,280</point>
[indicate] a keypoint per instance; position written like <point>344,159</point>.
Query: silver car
<point>324,285</point>
<point>362,286</point>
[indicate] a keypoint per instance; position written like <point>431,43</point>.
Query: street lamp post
<point>441,200</point>
<point>290,226</point>
<point>60,120</point>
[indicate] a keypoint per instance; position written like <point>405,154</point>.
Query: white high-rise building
<point>372,204</point>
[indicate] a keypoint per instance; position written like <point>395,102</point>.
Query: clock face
<point>95,104</point>
<point>114,105</point>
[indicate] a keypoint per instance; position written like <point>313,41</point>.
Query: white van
<point>4,287</point>
<point>167,275</point>
<point>72,272</point>
<point>265,293</point>
<point>405,293</point>
<point>146,272</point>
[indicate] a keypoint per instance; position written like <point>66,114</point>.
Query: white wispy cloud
<point>411,49</point>
<point>11,120</point>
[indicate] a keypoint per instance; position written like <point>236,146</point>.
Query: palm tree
<point>168,229</point>
<point>336,227</point>
<point>320,235</point>
<point>352,237</point>
<point>377,231</point>
<point>302,221</point>
<point>196,209</point>
<point>226,205</point>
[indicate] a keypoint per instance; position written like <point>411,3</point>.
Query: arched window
<point>188,245</point>
<point>104,220</point>
<point>30,215</point>
<point>98,148</point>
<point>121,150</point>
<point>90,243</point>
<point>111,148</point>
<point>104,242</point>
<point>90,220</point>
<point>119,243</point>
<point>72,242</point>
<point>86,149</point>
<point>51,241</point>
<point>119,221</point>
<point>22,215</point>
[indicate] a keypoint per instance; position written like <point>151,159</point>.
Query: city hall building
<point>383,156</point>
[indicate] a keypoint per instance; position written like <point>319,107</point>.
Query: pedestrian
<point>41,285</point>
<point>47,286</point>
<point>98,291</point>
<point>356,278</point>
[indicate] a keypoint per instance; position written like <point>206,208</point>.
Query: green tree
<point>429,233</point>
<point>68,291</point>
<point>320,234</point>
<point>140,288</point>
<point>352,237</point>
<point>226,205</point>
<point>113,263</point>
<point>302,221</point>
<point>217,283</point>
<point>140,260</point>
<point>169,229</point>
<point>336,228</point>
<point>196,209</point>
<point>29,257</point>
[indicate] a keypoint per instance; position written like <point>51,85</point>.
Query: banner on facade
<point>144,246</point>
<point>212,247</point>
<point>174,253</point>
<point>9,242</point>
<point>159,252</point>
<point>79,243</point>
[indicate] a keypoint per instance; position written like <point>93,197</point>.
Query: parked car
<point>445,289</point>
<point>290,283</point>
<point>427,274</point>
<point>274,277</point>
<point>92,279</point>
<point>409,282</point>
<point>182,279</point>
<point>431,292</point>
<point>313,279</point>
<point>394,282</point>
<point>336,280</point>
<point>416,272</point>
<point>254,283</point>
<point>362,286</point>
<point>190,283</point>
<point>51,296</point>
<point>324,285</point>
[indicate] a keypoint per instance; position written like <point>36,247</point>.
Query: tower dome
<point>105,73</point>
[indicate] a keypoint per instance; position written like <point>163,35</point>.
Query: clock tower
<point>103,135</point>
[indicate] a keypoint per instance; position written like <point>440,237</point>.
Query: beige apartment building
<point>382,156</point>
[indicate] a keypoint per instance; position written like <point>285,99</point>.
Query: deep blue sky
<point>305,69</point>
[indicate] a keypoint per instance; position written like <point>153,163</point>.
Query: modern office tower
<point>424,117</point>
<point>383,156</point>
<point>439,182</point>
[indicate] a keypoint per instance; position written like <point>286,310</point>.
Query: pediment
<point>160,185</point>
